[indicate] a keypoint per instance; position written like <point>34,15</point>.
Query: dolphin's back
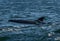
<point>23,21</point>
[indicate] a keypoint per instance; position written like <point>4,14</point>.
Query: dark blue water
<point>29,10</point>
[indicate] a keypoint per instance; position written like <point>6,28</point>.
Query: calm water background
<point>29,10</point>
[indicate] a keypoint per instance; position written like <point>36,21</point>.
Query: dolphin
<point>39,20</point>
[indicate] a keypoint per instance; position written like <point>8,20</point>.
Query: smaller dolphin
<point>40,20</point>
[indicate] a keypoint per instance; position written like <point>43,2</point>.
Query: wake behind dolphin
<point>40,20</point>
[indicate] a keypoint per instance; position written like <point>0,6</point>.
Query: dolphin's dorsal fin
<point>41,19</point>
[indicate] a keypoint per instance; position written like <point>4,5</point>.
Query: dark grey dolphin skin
<point>40,20</point>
